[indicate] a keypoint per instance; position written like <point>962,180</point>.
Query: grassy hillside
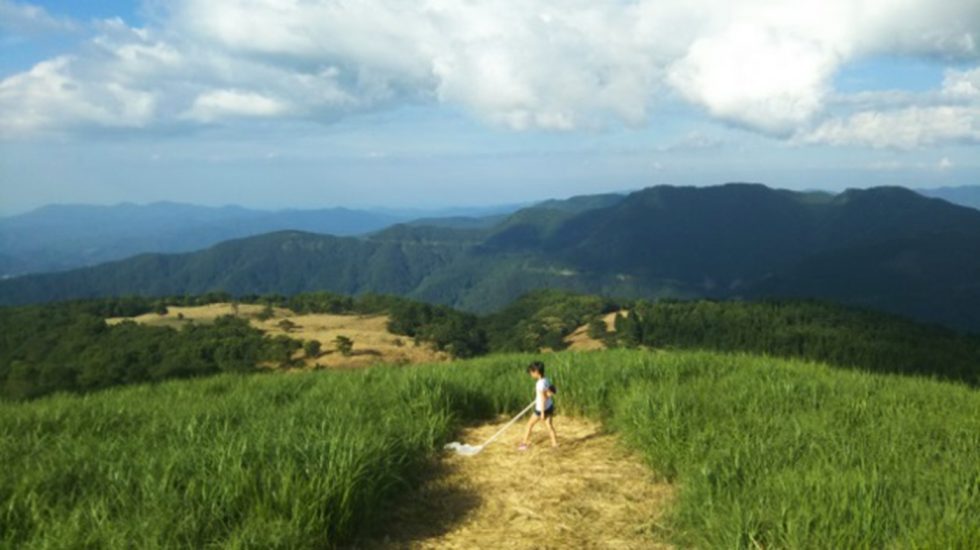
<point>86,345</point>
<point>886,248</point>
<point>764,452</point>
<point>372,342</point>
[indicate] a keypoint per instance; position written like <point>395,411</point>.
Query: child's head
<point>536,370</point>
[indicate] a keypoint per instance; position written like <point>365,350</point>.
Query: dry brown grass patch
<point>579,340</point>
<point>373,343</point>
<point>588,493</point>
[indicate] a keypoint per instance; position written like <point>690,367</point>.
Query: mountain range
<point>61,237</point>
<point>886,248</point>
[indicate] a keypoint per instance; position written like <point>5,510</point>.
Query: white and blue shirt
<point>543,401</point>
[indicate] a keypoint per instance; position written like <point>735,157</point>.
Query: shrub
<point>344,345</point>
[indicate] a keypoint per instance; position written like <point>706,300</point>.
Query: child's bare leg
<point>551,430</point>
<point>530,424</point>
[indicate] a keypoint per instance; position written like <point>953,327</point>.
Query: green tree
<point>344,345</point>
<point>266,313</point>
<point>281,350</point>
<point>629,330</point>
<point>286,325</point>
<point>597,329</point>
<point>312,348</point>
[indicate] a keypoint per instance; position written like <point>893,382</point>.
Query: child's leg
<point>551,430</point>
<point>530,424</point>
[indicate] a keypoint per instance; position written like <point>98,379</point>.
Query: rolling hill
<point>887,248</point>
<point>59,237</point>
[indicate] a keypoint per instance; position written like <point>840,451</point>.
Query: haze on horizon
<point>381,103</point>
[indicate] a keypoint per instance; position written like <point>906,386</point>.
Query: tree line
<point>68,346</point>
<point>804,329</point>
<point>64,347</point>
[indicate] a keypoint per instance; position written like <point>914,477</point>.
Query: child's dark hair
<point>537,367</point>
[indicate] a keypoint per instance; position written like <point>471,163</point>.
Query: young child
<point>544,406</point>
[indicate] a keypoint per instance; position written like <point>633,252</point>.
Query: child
<point>544,406</point>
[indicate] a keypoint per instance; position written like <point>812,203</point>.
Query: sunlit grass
<point>764,451</point>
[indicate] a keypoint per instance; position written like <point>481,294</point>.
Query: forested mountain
<point>59,237</point>
<point>723,238</point>
<point>886,248</point>
<point>932,277</point>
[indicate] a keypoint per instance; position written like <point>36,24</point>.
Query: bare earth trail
<point>588,493</point>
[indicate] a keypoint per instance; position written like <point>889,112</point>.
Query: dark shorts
<point>548,413</point>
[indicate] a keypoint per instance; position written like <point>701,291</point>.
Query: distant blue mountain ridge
<point>965,195</point>
<point>66,236</point>
<point>885,248</point>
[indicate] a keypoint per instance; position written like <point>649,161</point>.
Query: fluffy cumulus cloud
<point>962,84</point>
<point>909,121</point>
<point>552,64</point>
<point>52,95</point>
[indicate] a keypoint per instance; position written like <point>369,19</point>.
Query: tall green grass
<point>800,456</point>
<point>260,461</point>
<point>765,452</point>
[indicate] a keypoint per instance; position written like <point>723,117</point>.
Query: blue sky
<point>383,103</point>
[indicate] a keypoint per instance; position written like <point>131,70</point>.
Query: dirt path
<point>591,494</point>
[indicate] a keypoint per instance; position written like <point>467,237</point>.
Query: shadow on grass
<point>434,508</point>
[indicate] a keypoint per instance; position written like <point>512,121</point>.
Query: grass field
<point>764,452</point>
<point>579,339</point>
<point>373,342</point>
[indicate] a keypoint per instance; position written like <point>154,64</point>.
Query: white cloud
<point>49,96</point>
<point>907,128</point>
<point>907,120</point>
<point>765,74</point>
<point>944,164</point>
<point>552,64</point>
<point>962,84</point>
<point>216,104</point>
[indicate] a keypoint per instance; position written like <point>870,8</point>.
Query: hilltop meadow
<point>763,452</point>
<point>161,422</point>
<point>741,237</point>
